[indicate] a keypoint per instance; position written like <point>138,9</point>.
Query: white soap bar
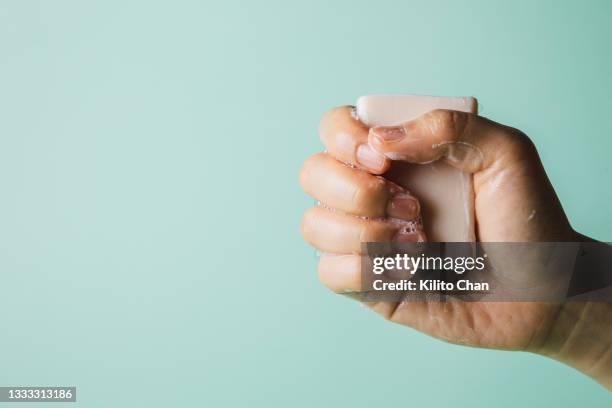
<point>446,194</point>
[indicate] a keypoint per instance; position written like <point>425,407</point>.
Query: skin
<point>514,202</point>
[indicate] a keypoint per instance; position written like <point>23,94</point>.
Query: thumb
<point>467,141</point>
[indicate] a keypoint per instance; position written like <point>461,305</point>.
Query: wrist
<point>581,337</point>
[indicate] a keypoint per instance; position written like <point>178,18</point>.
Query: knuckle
<point>308,166</point>
<point>312,169</point>
<point>369,194</point>
<point>304,173</point>
<point>305,178</point>
<point>373,231</point>
<point>323,271</point>
<point>519,144</point>
<point>447,124</point>
<point>328,119</point>
<point>307,223</point>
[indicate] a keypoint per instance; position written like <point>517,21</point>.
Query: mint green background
<point>149,208</point>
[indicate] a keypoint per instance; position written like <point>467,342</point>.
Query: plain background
<point>149,210</point>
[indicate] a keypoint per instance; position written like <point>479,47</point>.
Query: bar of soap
<point>446,194</point>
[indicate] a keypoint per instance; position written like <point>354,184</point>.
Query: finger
<point>346,138</point>
<point>465,140</point>
<point>355,191</point>
<point>335,232</point>
<point>340,273</point>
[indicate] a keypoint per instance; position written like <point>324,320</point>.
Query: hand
<point>514,202</point>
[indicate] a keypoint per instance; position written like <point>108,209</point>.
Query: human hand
<point>514,202</point>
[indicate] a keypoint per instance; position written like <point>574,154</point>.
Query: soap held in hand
<point>445,193</point>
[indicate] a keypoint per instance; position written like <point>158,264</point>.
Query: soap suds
<point>531,215</point>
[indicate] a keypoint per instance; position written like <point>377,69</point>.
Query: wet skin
<point>514,202</point>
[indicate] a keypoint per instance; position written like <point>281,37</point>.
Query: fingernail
<point>403,206</point>
<point>390,133</point>
<point>368,157</point>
